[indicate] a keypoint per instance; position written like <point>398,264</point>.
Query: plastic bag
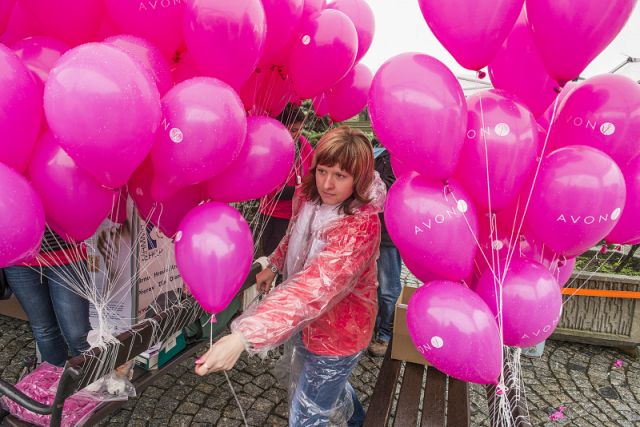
<point>113,387</point>
<point>319,391</point>
<point>41,385</point>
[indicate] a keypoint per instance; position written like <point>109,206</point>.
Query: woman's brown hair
<point>351,150</point>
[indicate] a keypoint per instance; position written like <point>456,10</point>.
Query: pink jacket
<point>333,300</point>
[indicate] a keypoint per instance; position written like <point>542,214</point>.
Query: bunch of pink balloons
<point>532,173</point>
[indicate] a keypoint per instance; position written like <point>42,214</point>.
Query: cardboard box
<point>158,355</point>
<point>402,347</point>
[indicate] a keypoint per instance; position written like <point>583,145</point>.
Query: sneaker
<point>378,348</point>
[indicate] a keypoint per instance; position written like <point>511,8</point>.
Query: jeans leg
<point>72,310</point>
<point>32,290</point>
<point>357,419</point>
<point>323,391</point>
<point>389,266</point>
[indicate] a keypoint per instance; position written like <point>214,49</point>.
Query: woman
<point>328,302</point>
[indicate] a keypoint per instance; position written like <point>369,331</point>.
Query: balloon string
<point>236,397</point>
<point>244,418</point>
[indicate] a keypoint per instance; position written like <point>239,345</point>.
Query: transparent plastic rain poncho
<point>328,301</point>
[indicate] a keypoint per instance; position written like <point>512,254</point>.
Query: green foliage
<point>605,264</point>
<point>314,124</point>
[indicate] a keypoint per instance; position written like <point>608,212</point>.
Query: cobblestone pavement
<point>583,378</point>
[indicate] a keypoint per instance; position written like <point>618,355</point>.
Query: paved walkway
<point>583,378</point>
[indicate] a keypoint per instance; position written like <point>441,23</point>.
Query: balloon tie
<point>481,74</point>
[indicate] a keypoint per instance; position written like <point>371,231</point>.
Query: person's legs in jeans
<point>32,290</point>
<point>72,310</point>
<point>323,393</point>
<point>389,288</point>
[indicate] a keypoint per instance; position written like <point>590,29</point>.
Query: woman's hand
<point>222,356</point>
<point>264,279</point>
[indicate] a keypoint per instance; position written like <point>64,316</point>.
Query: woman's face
<point>335,185</point>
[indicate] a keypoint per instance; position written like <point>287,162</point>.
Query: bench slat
<point>458,403</point>
<point>434,399</point>
<point>382,398</point>
<point>409,400</point>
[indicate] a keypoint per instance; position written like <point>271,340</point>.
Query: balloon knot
<point>481,74</point>
<point>213,319</point>
<point>603,249</point>
<point>557,89</point>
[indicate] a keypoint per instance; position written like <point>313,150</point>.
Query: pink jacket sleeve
<point>351,245</point>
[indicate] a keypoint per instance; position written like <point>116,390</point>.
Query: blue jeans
<point>389,287</point>
<point>54,311</point>
<point>323,389</point>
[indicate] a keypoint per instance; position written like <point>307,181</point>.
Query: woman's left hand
<point>222,356</point>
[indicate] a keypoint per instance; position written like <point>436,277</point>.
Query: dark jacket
<point>383,167</point>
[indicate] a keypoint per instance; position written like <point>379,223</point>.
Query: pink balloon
<point>226,38</point>
<point>283,18</point>
<point>545,119</point>
<point>349,97</point>
<point>202,133</point>
<point>494,246</point>
<point>185,68</point>
<point>577,200</point>
<point>530,304</point>
<point>214,250</point>
<point>262,165</point>
<point>419,269</point>
<point>570,33</point>
<point>104,111</point>
<point>19,26</point>
<point>499,153</point>
<point>411,95</point>
<point>602,112</point>
<point>6,7</point>
<point>436,226</point>
<point>363,19</point>
<point>22,220</point>
<point>267,91</point>
<point>312,6</point>
<point>321,105</point>
<point>627,229</point>
<point>75,204</point>
<point>119,209</point>
<point>107,28</point>
<point>398,167</point>
<point>74,22</point>
<point>472,31</point>
<point>517,68</point>
<point>563,271</point>
<point>39,54</point>
<point>20,110</point>
<point>560,267</point>
<point>159,21</point>
<point>148,56</point>
<point>323,53</point>
<point>164,215</point>
<point>454,330</point>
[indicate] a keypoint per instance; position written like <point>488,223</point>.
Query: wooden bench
<point>98,362</point>
<point>429,398</point>
<point>445,400</point>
